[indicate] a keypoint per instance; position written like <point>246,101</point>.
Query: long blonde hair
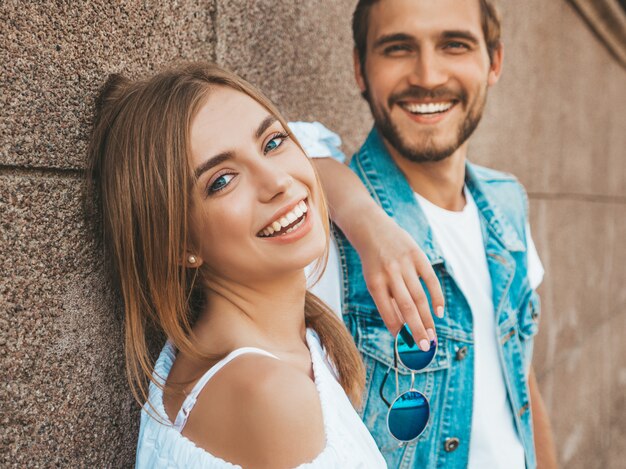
<point>140,182</point>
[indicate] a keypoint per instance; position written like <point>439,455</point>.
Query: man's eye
<point>396,49</point>
<point>455,45</point>
<point>220,183</point>
<point>276,141</point>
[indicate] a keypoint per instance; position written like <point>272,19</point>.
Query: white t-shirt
<point>494,441</point>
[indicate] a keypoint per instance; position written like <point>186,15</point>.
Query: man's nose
<point>428,70</point>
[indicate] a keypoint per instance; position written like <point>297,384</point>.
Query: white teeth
<point>294,227</point>
<point>427,108</point>
<point>297,212</point>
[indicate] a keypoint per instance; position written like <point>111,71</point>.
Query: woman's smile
<point>288,220</point>
<point>290,232</point>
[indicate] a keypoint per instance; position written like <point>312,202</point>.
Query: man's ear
<point>358,72</point>
<point>495,69</point>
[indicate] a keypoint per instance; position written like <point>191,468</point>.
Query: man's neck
<point>439,182</point>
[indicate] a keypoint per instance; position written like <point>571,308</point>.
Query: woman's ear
<point>192,261</point>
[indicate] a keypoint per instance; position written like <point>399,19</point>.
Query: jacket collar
<point>390,188</point>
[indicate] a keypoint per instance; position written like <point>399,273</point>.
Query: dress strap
<point>190,400</point>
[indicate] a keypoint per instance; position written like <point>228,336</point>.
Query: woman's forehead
<point>226,119</point>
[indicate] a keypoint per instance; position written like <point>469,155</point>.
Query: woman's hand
<point>392,262</point>
<point>392,267</point>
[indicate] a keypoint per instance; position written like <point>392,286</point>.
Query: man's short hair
<point>488,11</point>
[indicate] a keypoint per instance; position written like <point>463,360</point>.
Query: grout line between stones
<point>214,18</point>
<point>599,198</point>
<point>42,171</point>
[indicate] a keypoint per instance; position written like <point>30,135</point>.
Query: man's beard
<point>428,151</point>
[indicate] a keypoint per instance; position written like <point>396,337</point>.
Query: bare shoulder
<point>259,412</point>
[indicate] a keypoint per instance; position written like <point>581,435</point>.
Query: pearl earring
<point>192,259</point>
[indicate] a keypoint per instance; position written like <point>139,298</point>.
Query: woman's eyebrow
<point>263,126</point>
<point>227,155</point>
<point>212,162</point>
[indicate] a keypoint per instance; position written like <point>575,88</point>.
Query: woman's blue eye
<point>276,141</point>
<point>220,183</point>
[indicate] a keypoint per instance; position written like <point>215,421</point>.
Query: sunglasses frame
<point>396,359</point>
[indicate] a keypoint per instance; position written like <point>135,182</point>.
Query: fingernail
<point>431,334</point>
<point>440,311</point>
<point>424,345</point>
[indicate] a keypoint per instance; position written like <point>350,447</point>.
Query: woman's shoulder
<point>259,410</point>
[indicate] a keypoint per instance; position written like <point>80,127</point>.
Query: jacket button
<point>461,353</point>
<point>534,314</point>
<point>451,444</point>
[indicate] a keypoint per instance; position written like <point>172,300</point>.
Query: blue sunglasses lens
<point>408,415</point>
<point>409,352</point>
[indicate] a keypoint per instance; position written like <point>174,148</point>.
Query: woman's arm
<point>392,262</point>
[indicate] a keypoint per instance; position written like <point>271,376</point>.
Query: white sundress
<point>348,442</point>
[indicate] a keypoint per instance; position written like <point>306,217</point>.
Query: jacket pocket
<point>375,341</point>
<point>528,316</point>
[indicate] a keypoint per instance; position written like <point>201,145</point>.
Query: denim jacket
<point>448,381</point>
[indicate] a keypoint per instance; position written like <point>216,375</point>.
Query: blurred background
<point>557,120</point>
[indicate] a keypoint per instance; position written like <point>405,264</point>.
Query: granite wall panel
<point>581,244</point>
<point>590,398</point>
<point>300,55</point>
<point>554,120</point>
<point>579,350</point>
<point>55,55</point>
<point>65,401</point>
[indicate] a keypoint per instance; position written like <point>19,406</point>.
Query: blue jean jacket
<point>448,380</point>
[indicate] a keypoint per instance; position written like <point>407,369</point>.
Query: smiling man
<point>425,67</point>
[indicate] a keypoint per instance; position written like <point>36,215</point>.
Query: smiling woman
<point>210,211</point>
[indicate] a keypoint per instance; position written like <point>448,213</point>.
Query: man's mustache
<point>416,92</point>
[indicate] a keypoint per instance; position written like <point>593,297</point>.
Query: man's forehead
<point>422,18</point>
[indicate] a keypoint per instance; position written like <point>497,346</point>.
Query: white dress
<point>348,443</point>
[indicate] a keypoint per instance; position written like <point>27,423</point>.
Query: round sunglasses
<point>409,412</point>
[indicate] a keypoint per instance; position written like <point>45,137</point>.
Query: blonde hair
<point>140,183</point>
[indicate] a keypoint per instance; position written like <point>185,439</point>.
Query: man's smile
<point>427,112</point>
<point>427,108</point>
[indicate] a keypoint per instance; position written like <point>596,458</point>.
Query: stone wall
<point>556,120</point>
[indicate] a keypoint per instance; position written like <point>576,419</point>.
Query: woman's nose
<point>272,181</point>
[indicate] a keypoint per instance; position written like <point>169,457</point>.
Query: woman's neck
<point>266,313</point>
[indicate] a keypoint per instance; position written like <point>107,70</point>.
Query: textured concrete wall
<point>556,120</point>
